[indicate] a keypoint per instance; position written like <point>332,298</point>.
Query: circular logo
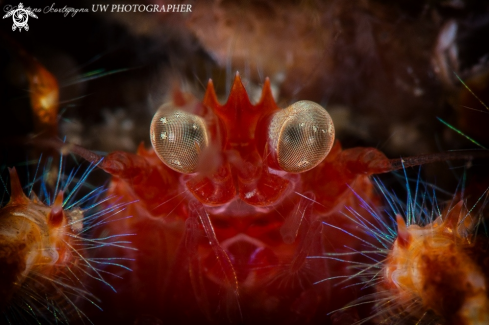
<point>20,16</point>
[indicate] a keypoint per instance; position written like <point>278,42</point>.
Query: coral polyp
<point>47,245</point>
<point>422,264</point>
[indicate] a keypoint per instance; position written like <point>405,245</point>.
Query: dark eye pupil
<point>291,136</point>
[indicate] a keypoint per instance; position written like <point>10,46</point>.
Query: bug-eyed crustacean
<point>227,206</point>
<point>225,223</point>
<point>231,201</point>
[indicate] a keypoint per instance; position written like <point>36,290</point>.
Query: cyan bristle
<point>30,305</point>
<point>470,90</point>
<point>92,75</point>
<point>79,183</point>
<point>420,206</point>
<point>461,133</point>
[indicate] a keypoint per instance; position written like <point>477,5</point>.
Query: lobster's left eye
<point>301,136</point>
<point>178,138</point>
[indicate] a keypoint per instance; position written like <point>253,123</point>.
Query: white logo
<point>20,16</point>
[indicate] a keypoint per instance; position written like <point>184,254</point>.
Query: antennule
<point>400,163</point>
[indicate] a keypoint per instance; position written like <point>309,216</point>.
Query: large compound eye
<point>178,138</point>
<point>301,136</point>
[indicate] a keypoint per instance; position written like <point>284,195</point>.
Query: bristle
<point>432,255</point>
<point>55,254</point>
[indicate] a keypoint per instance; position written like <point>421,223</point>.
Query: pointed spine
<point>210,98</point>
<point>17,194</point>
<point>267,102</point>
<point>238,97</point>
<point>56,216</point>
<point>403,235</point>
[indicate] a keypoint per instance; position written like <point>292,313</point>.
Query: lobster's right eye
<point>178,137</point>
<point>301,136</point>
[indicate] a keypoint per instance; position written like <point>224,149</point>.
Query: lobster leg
<point>195,267</point>
<point>290,228</point>
<point>223,262</point>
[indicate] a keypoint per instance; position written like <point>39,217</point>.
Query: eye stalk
<point>300,136</point>
<point>178,138</point>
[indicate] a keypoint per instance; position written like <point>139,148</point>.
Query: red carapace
<point>230,204</point>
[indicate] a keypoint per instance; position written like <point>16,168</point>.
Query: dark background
<point>373,64</point>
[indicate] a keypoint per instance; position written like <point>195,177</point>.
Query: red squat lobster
<point>229,205</point>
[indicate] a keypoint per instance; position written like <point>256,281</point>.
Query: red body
<point>211,252</point>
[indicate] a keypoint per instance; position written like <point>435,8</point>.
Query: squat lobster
<point>229,205</point>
